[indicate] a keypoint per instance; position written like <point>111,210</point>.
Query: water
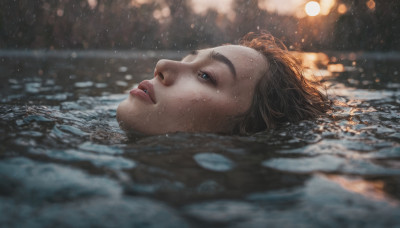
<point>64,161</point>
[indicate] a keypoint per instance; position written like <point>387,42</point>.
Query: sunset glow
<point>371,4</point>
<point>342,9</point>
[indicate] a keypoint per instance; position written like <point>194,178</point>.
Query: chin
<point>125,120</point>
<point>122,115</point>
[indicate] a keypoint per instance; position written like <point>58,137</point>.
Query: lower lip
<point>141,94</point>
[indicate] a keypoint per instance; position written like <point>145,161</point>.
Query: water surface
<point>65,162</point>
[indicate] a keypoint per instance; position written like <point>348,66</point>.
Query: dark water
<point>65,163</point>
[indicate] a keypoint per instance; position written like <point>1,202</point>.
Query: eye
<point>204,76</point>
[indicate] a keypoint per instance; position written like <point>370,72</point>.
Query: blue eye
<point>204,76</point>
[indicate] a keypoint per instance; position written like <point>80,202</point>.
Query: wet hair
<point>283,94</point>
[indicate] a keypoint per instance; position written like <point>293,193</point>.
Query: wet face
<point>203,92</point>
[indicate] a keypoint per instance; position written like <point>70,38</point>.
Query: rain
<point>66,65</point>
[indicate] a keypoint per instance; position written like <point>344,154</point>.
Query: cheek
<point>202,112</point>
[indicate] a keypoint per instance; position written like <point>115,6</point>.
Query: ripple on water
<point>329,164</point>
<point>332,146</point>
<point>38,182</point>
<point>35,194</point>
<point>224,211</point>
<point>98,148</point>
<point>325,202</point>
<point>99,160</point>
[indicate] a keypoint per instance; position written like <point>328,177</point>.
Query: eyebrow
<point>220,58</point>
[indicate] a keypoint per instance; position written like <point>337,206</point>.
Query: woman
<point>242,89</point>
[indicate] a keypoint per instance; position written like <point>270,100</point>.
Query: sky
<point>290,7</point>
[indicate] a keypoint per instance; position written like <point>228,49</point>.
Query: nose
<point>168,71</point>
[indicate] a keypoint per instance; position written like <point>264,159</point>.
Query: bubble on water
<point>213,161</point>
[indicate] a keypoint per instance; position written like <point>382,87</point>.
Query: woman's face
<point>203,92</point>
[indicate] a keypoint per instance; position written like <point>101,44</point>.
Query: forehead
<point>247,61</point>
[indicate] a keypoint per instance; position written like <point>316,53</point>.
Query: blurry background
<point>188,24</point>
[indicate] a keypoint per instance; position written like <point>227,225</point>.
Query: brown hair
<point>283,94</point>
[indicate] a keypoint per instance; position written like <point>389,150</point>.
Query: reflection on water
<point>64,160</point>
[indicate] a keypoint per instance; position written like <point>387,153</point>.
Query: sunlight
<point>372,189</point>
<point>371,4</point>
<point>312,8</point>
<point>222,6</point>
<point>342,9</point>
<point>326,6</point>
<point>92,3</point>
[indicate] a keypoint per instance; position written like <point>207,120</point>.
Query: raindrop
<point>122,69</point>
<point>128,77</point>
<point>84,84</point>
<point>121,83</point>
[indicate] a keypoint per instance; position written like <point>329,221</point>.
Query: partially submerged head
<point>241,88</point>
